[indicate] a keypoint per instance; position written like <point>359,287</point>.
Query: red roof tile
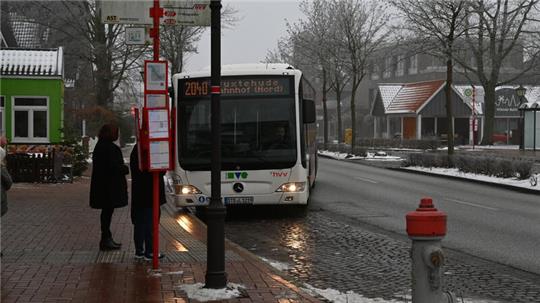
<point>412,96</point>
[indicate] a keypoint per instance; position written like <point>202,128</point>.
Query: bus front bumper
<point>276,198</point>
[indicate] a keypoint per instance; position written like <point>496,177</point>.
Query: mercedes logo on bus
<point>238,187</point>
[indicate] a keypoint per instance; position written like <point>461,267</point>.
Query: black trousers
<point>106,217</point>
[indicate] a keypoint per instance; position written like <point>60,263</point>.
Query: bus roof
<point>243,69</point>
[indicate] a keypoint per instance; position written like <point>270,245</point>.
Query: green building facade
<point>32,96</point>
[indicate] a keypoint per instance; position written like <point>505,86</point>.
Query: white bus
<point>268,137</point>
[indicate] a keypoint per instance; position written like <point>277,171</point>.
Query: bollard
<point>426,228</point>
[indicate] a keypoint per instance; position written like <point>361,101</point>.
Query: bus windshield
<point>256,133</point>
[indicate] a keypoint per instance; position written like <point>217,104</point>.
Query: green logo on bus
<point>237,175</point>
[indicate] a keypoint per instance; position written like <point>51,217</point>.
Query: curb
<point>499,185</point>
<point>510,187</point>
<point>249,257</point>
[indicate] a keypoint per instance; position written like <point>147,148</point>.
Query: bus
<point>268,137</point>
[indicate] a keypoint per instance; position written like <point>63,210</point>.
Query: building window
<point>30,119</point>
<point>387,67</point>
<point>400,70</point>
<point>413,64</point>
<point>2,117</point>
<point>375,71</point>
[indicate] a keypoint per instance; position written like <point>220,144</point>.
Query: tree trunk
<point>449,116</point>
<point>325,111</point>
<point>353,120</point>
<point>103,66</point>
<point>489,114</point>
<point>339,122</point>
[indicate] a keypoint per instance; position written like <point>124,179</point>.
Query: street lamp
<point>520,91</point>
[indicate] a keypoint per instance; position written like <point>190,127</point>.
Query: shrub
<point>506,169</point>
<point>523,169</point>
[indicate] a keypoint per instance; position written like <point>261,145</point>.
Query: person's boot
<point>116,243</point>
<point>107,244</point>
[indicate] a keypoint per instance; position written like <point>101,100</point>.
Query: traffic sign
<point>176,12</point>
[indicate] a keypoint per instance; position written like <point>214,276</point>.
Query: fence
<point>40,167</point>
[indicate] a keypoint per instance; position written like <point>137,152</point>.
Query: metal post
<point>156,13</point>
<point>474,116</point>
<point>155,221</point>
<point>521,127</point>
<point>216,277</point>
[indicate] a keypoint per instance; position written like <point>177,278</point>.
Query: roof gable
<point>35,62</point>
<point>411,97</point>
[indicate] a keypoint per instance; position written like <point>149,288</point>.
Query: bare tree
<point>498,31</point>
<point>437,24</point>
<point>179,41</point>
<point>312,40</point>
<point>360,32</point>
<point>101,45</point>
<point>340,80</point>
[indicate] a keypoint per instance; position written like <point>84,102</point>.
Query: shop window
<point>30,119</point>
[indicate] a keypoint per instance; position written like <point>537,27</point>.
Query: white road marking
<point>472,204</point>
<point>366,180</point>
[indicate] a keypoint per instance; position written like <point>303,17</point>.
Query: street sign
<point>176,12</point>
<point>186,12</point>
<point>155,76</point>
<point>137,36</point>
<point>126,12</point>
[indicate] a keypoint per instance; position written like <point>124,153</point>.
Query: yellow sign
<point>348,136</point>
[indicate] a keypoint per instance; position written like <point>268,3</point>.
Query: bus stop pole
<point>216,276</point>
<point>156,13</point>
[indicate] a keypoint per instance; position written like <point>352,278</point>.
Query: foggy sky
<point>262,24</point>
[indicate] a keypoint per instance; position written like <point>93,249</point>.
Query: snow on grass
<point>198,292</point>
<point>277,265</point>
<point>370,156</point>
<point>455,172</point>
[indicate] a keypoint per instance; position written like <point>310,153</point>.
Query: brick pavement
<point>49,241</point>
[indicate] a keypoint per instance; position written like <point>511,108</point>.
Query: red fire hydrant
<point>426,227</point>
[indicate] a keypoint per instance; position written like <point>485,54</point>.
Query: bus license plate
<point>238,200</point>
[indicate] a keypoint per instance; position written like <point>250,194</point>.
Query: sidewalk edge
<point>275,274</point>
<point>499,185</point>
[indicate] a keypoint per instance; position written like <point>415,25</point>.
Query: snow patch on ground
<point>370,156</point>
<point>277,265</point>
<point>336,296</point>
<point>455,172</point>
<point>198,292</point>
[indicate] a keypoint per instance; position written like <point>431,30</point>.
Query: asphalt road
<point>485,221</point>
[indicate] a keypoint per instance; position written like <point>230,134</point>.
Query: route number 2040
<point>196,88</point>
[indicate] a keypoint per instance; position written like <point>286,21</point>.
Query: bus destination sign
<point>264,86</point>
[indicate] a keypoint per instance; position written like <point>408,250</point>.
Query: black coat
<point>108,187</point>
<point>142,194</point>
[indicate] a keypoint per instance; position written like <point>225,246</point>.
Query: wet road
<point>353,239</point>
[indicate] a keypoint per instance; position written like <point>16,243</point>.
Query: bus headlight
<point>186,189</point>
<point>292,187</point>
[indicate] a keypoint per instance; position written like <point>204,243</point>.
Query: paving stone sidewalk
<point>49,242</point>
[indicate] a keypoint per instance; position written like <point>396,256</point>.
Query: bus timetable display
<point>267,86</point>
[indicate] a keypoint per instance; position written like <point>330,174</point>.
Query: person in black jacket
<point>108,187</point>
<point>141,206</point>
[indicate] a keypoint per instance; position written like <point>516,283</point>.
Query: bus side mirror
<point>308,111</point>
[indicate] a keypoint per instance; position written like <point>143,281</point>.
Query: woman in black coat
<point>142,198</point>
<point>108,188</point>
